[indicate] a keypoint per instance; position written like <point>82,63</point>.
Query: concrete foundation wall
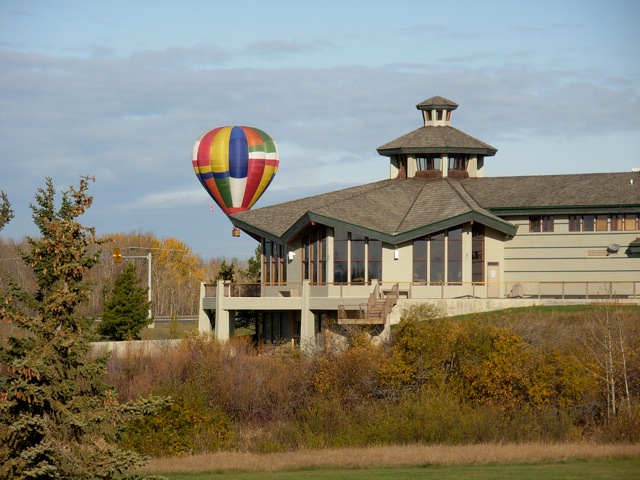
<point>461,306</point>
<point>134,347</point>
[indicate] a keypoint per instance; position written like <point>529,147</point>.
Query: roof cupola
<point>436,149</point>
<point>436,111</point>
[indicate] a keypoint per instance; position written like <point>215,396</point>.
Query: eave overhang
<point>311,218</point>
<point>564,209</point>
<point>388,152</point>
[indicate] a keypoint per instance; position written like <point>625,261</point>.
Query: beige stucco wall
<point>397,270</point>
<point>294,267</point>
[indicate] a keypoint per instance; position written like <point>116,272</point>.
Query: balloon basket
<point>235,232</point>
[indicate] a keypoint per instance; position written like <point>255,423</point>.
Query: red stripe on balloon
<point>204,149</point>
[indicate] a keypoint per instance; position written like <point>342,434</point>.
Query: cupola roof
<point>437,102</point>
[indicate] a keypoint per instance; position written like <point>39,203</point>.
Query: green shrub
<point>189,426</point>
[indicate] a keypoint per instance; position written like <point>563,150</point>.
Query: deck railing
<point>414,290</point>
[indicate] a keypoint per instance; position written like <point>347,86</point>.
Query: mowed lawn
<point>619,469</point>
<point>537,461</point>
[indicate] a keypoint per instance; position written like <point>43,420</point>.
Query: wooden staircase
<point>374,312</point>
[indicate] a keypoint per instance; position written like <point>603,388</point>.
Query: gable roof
<point>393,211</point>
<point>436,139</point>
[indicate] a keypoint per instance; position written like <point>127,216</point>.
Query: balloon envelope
<point>235,165</point>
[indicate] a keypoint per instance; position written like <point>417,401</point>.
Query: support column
<point>307,321</point>
<point>204,325</point>
<point>222,329</point>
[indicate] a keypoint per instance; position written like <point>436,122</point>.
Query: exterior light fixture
<point>612,248</point>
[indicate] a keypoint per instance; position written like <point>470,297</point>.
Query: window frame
<point>355,244</point>
<point>434,260</point>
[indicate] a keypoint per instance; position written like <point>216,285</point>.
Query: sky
<point>121,89</point>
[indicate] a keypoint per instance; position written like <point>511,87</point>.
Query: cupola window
<point>458,162</point>
<point>429,162</point>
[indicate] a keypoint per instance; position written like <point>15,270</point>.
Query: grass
<point>619,469</point>
<point>163,330</point>
<point>522,461</point>
<point>544,310</point>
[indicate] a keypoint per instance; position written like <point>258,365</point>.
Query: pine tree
<point>127,311</point>
<point>58,417</point>
<point>6,214</point>
<point>226,272</point>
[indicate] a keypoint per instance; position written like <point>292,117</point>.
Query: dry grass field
<point>390,456</point>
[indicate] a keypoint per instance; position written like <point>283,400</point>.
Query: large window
<point>314,255</point>
<point>438,257</point>
<point>274,270</point>
<point>477,253</point>
<point>340,256</point>
<point>374,269</point>
<point>356,258</point>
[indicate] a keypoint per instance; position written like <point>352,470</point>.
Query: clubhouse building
<point>439,231</point>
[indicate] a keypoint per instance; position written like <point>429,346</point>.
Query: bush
<point>189,426</point>
<point>439,381</point>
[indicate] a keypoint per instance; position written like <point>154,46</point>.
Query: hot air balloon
<point>235,165</point>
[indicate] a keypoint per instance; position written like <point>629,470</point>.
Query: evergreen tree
<point>58,417</point>
<point>248,319</point>
<point>226,272</point>
<point>254,266</point>
<point>127,311</point>
<point>6,213</point>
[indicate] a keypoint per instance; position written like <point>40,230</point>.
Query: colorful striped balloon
<point>235,165</point>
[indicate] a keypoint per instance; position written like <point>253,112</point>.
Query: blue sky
<point>122,89</point>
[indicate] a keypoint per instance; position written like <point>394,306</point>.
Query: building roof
<point>436,139</point>
<point>556,192</point>
<point>402,209</point>
<point>393,211</point>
